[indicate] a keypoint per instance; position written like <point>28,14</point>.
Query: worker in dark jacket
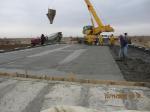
<point>43,39</point>
<point>123,47</point>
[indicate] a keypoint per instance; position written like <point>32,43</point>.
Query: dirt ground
<point>143,41</point>
<point>137,67</point>
<point>11,47</point>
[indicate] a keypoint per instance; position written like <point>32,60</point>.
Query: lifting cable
<point>51,3</point>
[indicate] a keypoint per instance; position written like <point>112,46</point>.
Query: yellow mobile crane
<point>92,31</point>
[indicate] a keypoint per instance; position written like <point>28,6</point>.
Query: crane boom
<point>92,30</point>
<point>93,12</point>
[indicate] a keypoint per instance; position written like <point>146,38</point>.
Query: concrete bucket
<point>51,15</point>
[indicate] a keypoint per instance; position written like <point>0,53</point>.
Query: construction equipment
<point>91,31</point>
<point>51,15</point>
<point>53,38</point>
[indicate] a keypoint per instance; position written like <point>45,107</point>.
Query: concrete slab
<point>86,62</point>
<point>96,63</point>
<point>38,95</point>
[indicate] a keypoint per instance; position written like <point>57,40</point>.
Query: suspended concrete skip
<point>51,15</point>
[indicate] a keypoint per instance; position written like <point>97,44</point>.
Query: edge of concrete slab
<point>71,78</point>
<point>28,47</point>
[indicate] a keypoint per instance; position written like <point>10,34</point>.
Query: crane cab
<point>87,29</point>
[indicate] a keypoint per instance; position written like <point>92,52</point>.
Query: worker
<point>89,40</point>
<point>101,40</point>
<point>123,47</point>
<point>112,40</point>
<point>97,41</point>
<point>43,39</point>
<point>127,42</point>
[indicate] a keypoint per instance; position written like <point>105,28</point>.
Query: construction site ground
<point>19,94</point>
<point>31,95</point>
<point>6,48</point>
<point>137,67</point>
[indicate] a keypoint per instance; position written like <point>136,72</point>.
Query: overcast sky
<point>27,18</point>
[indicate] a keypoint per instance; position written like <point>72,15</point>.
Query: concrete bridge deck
<point>87,62</point>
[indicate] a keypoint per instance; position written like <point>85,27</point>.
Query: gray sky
<point>27,18</point>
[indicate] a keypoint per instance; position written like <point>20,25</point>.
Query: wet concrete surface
<point>85,62</point>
